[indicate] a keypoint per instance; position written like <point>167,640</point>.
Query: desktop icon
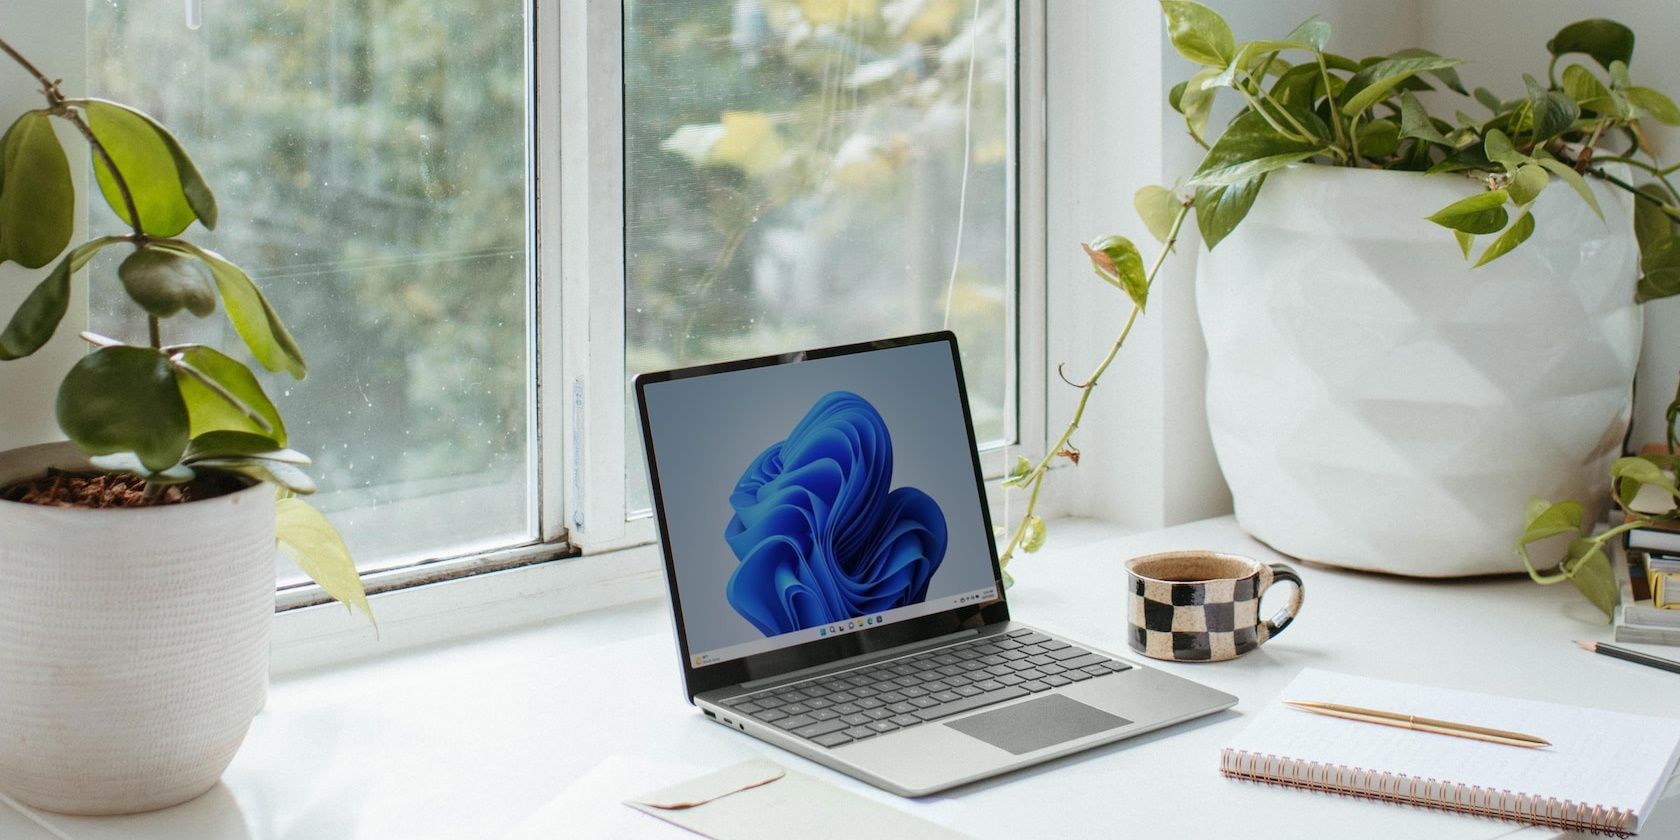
<point>822,631</point>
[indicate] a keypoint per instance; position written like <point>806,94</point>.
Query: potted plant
<point>137,560</point>
<point>1382,392</point>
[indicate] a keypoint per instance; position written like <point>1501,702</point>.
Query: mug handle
<point>1281,619</point>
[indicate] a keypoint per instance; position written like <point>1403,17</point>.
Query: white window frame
<point>582,397</point>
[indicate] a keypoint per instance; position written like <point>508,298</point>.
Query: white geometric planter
<point>133,643</point>
<point>1375,403</point>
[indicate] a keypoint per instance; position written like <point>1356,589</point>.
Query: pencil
<point>1631,655</point>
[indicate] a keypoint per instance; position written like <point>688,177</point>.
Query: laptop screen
<point>817,498</point>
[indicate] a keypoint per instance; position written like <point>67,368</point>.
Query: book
<point>1637,619</point>
<point>1602,772</point>
<point>1662,574</point>
<point>1658,536</point>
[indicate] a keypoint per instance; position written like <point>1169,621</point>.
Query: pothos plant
<point>166,413</point>
<point>1299,103</point>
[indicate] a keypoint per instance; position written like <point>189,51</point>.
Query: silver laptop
<point>834,582</point>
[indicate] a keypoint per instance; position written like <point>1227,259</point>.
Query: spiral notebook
<point>1602,774</point>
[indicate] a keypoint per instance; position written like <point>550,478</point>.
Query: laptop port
<point>709,713</point>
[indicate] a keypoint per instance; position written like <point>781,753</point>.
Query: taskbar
<point>854,624</point>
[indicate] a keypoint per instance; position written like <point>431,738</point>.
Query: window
<point>370,161</point>
<point>722,178</point>
<point>809,172</point>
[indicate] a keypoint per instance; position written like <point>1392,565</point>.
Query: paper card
<point>757,800</point>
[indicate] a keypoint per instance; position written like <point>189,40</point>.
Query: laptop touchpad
<point>1036,724</point>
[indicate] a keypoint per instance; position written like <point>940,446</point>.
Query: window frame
<point>594,553</point>
<point>599,513</point>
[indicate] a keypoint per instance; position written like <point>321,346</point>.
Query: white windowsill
<point>469,737</point>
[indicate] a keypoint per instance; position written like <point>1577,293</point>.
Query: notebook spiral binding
<point>1440,795</point>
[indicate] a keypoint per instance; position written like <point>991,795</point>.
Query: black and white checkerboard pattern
<point>1209,621</point>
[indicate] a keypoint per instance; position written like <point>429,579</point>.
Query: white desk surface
<point>468,740</point>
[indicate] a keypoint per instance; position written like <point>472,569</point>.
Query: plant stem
<point>1254,105</point>
<point>1330,97</point>
<point>1042,468</point>
<point>1668,210</point>
<point>58,106</point>
<point>1673,416</point>
<point>51,86</point>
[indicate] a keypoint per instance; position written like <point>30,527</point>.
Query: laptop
<point>834,581</point>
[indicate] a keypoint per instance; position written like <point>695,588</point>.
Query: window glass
<point>369,158</point>
<point>813,172</point>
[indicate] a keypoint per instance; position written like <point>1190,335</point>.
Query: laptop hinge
<point>860,659</point>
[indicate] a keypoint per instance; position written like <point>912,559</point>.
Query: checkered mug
<point>1203,606</point>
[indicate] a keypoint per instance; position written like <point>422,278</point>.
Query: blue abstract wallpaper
<point>820,535</point>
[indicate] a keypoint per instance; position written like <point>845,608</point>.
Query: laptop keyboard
<point>885,697</point>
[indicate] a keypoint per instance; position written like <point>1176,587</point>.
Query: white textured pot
<point>133,643</point>
<point>1378,404</point>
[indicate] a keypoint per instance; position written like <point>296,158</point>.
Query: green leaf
<point>1585,88</point>
<point>1542,519</point>
<point>1660,267</point>
<point>1576,182</point>
<point>1248,148</point>
<point>1199,33</point>
<point>128,462</point>
<point>235,402</point>
<point>1655,104</point>
<point>251,313</point>
<point>1415,122</point>
<point>315,546</point>
<point>1378,139</point>
<point>1488,100</point>
<point>1465,240</point>
<point>165,282</point>
<point>38,204</point>
<point>1470,157</point>
<point>1552,112</point>
<point>1371,84</point>
<point>1220,209</point>
<point>1297,87</point>
<point>1157,206</point>
<point>1480,213</point>
<point>1249,55</point>
<point>1017,475</point>
<point>1312,32</point>
<point>1033,539</point>
<point>1196,103</point>
<point>225,445</point>
<point>1650,224</point>
<point>1116,260</point>
<point>1527,183</point>
<point>1592,575</point>
<point>124,399</point>
<point>1499,150</point>
<point>1515,235</point>
<point>1447,75</point>
<point>1604,40</point>
<point>279,473</point>
<point>168,192</point>
<point>1630,473</point>
<point>37,318</point>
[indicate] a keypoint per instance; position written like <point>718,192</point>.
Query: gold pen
<point>1421,724</point>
